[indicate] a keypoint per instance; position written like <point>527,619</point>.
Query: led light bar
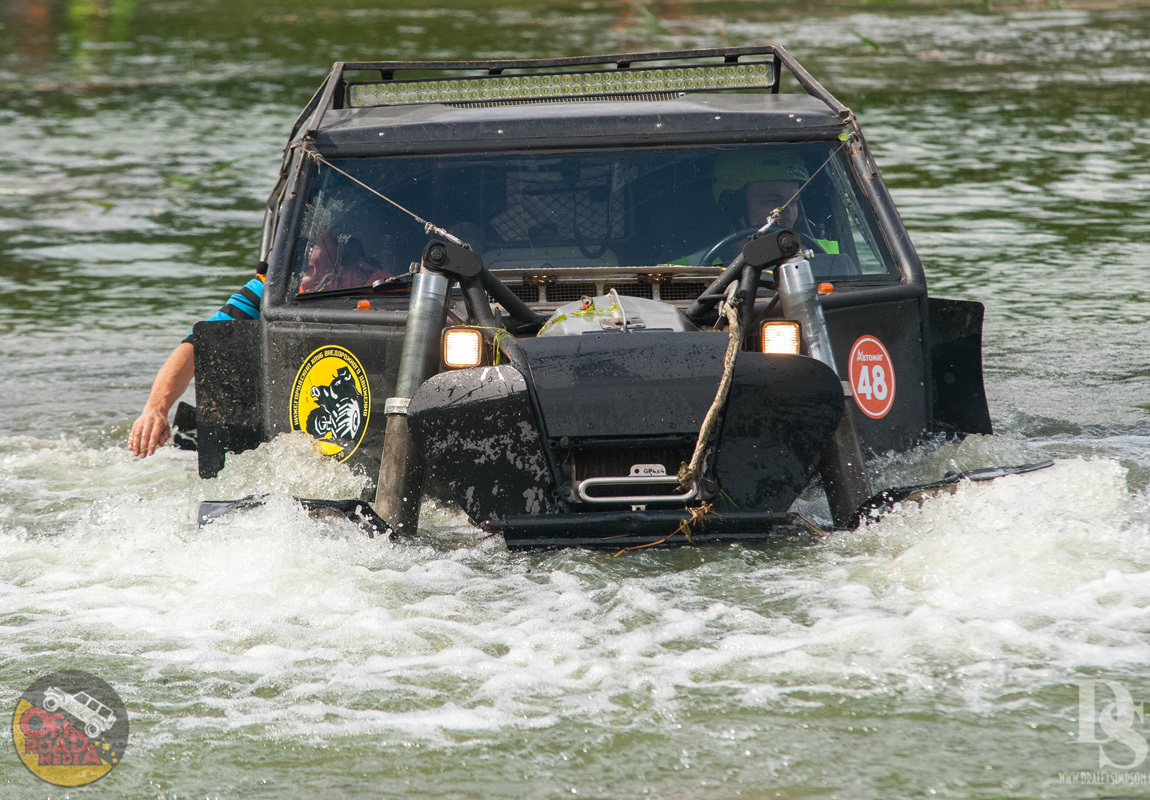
<point>561,85</point>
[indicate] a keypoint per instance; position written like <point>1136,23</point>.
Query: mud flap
<point>229,391</point>
<point>957,395</point>
<point>184,427</point>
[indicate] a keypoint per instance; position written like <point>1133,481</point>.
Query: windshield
<point>617,208</point>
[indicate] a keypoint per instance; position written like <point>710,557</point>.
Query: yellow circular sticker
<point>70,728</point>
<point>331,400</point>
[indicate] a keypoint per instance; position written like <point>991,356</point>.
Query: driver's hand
<point>150,431</point>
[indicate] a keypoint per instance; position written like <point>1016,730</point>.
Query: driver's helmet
<point>735,169</point>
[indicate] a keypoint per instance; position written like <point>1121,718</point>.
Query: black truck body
<point>598,192</point>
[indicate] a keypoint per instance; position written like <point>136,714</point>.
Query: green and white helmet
<point>734,170</point>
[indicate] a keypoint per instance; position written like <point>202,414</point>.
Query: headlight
<point>781,337</point>
<point>462,347</point>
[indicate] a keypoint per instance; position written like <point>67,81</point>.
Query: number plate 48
<point>872,377</point>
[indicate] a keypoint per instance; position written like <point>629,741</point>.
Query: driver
<point>748,186</point>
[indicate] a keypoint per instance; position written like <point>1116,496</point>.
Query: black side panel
<point>228,381</point>
<point>375,347</point>
<point>898,326</point>
<point>478,435</point>
<point>956,388</point>
<point>779,416</point>
<point>625,384</point>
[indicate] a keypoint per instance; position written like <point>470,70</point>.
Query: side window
<point>859,228</point>
<point>348,238</point>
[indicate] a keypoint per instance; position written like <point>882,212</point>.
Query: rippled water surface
<point>936,653</point>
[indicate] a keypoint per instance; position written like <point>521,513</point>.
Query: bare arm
<point>151,430</point>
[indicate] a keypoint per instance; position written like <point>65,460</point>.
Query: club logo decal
<point>331,400</point>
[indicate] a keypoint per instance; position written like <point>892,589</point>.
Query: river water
<point>939,652</point>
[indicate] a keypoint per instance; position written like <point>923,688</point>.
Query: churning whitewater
<point>269,626</point>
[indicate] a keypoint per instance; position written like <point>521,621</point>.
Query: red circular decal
<point>872,377</point>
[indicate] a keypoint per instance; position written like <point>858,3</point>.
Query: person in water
<point>151,430</point>
<point>331,264</point>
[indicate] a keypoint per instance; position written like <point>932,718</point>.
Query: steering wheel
<point>738,237</point>
<point>723,244</point>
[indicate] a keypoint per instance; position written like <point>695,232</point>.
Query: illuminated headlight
<point>462,347</point>
<point>781,337</point>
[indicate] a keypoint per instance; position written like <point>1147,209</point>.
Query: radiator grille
<point>567,292</point>
<point>674,291</point>
<point>631,289</point>
<point>527,292</point>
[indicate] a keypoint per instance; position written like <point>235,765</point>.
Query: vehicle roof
<point>693,118</point>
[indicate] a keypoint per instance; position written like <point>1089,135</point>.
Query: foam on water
<point>275,619</point>
<point>1045,573</point>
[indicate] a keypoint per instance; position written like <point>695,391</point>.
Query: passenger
<point>151,429</point>
<point>321,259</point>
<point>335,265</point>
<point>358,268</point>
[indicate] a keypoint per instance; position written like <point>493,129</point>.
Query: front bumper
<point>519,447</point>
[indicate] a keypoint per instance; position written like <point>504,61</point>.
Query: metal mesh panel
<point>673,291</point>
<point>632,289</point>
<point>527,292</point>
<point>552,207</point>
<point>566,292</point>
<point>617,463</point>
